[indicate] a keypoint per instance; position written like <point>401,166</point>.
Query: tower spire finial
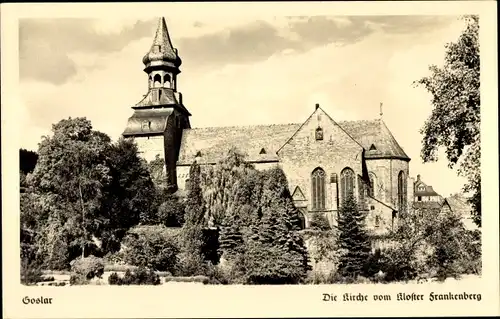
<point>162,51</point>
<point>381,113</point>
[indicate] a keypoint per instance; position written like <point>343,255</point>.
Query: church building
<point>323,158</point>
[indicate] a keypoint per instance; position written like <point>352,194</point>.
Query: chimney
<point>317,106</point>
<point>418,178</point>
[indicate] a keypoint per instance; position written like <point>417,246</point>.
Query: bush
<point>192,279</point>
<point>398,266</point>
<point>77,279</point>
<point>216,275</point>
<point>114,279</point>
<point>317,278</point>
<point>171,212</point>
<point>141,276</point>
<point>191,265</point>
<point>30,274</point>
<point>88,267</point>
<point>46,279</point>
<point>320,222</point>
<point>151,247</point>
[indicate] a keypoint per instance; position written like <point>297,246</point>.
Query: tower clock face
<point>158,125</point>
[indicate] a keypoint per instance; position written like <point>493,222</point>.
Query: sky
<point>239,71</point>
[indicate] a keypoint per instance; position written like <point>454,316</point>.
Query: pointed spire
<point>162,51</point>
<point>162,38</point>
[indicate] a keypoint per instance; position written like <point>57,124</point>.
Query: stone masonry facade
<point>321,157</point>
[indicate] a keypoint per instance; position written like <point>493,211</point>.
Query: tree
<point>71,175</point>
<point>154,247</point>
<point>455,120</point>
<point>405,258</point>
<point>220,185</point>
<point>27,160</point>
<point>430,244</point>
<point>158,173</point>
<point>192,232</point>
<point>171,212</point>
<point>320,222</point>
<point>275,252</point>
<point>231,237</point>
<point>129,198</point>
<point>231,191</point>
<point>353,239</point>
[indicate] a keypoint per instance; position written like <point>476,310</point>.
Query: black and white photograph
<point>177,152</point>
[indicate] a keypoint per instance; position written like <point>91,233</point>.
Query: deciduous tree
<point>72,170</point>
<point>455,120</point>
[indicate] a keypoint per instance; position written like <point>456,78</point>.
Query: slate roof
<point>147,121</point>
<point>374,132</point>
<point>214,142</point>
<point>166,54</point>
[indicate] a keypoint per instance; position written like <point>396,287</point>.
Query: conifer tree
<point>353,239</point>
<point>231,237</point>
<point>195,211</point>
<point>276,253</point>
<point>192,230</point>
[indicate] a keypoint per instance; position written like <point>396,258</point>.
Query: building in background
<point>459,205</point>
<point>425,193</point>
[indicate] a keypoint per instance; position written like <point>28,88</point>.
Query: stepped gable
<point>213,142</point>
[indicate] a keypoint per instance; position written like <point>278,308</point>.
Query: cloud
<point>45,45</point>
<point>275,82</point>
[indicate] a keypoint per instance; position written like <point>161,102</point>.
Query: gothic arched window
<point>373,183</point>
<point>302,219</point>
<point>401,191</point>
<point>318,189</point>
<point>346,182</point>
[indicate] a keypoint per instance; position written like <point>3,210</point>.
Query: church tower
<point>159,118</point>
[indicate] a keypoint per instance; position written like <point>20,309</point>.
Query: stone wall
<point>150,146</point>
<point>303,153</point>
<point>386,172</point>
<point>379,218</point>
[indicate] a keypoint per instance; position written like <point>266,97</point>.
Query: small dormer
<point>262,151</point>
<point>373,148</point>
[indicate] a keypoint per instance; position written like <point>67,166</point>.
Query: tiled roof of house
<point>459,205</point>
<point>213,142</point>
<point>429,191</point>
<point>428,205</point>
